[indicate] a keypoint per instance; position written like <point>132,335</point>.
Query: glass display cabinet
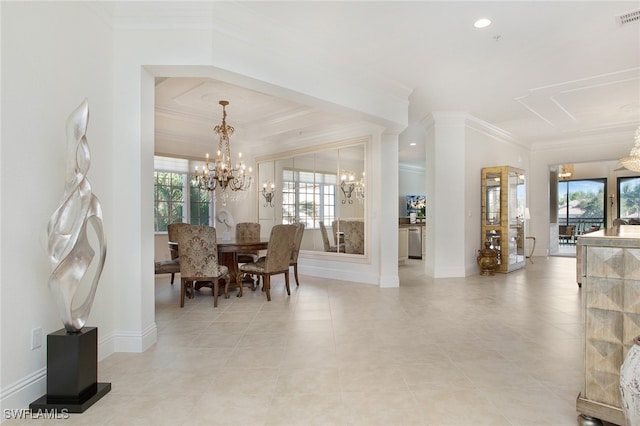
<point>503,209</point>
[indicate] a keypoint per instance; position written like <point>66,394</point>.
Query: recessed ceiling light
<point>482,23</point>
<point>412,144</point>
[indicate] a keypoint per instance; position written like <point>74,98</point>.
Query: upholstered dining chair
<point>199,261</point>
<point>325,239</point>
<point>277,260</point>
<point>172,232</point>
<point>171,266</point>
<point>247,231</point>
<point>296,250</point>
<point>353,236</point>
<point>337,227</point>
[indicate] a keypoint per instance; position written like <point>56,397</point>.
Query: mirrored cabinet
<point>503,215</point>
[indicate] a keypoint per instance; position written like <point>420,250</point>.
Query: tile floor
<point>500,350</point>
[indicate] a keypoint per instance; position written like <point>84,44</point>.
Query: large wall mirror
<point>324,188</point>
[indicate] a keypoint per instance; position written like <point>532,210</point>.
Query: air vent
<point>629,17</point>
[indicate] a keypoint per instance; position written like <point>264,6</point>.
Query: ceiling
<point>543,71</point>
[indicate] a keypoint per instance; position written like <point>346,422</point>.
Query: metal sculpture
<point>70,250</point>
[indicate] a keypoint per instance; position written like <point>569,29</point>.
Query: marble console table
<point>610,273</point>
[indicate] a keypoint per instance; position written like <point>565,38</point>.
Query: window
<point>176,199</point>
<point>169,199</point>
<point>199,204</point>
<point>581,204</point>
<point>629,197</point>
<point>308,197</point>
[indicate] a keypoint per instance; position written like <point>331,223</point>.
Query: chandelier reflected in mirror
<point>220,174</point>
<point>351,188</point>
<point>632,162</point>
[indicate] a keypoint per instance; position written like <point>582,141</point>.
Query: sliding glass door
<point>581,206</point>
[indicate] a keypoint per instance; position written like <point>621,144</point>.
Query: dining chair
<point>172,232</point>
<point>296,250</point>
<point>277,260</point>
<point>353,236</point>
<point>325,239</point>
<point>171,266</point>
<point>337,227</point>
<point>248,231</point>
<point>199,261</point>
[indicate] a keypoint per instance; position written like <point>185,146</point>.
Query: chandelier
<point>220,173</point>
<point>632,162</point>
<point>349,186</point>
<point>566,171</point>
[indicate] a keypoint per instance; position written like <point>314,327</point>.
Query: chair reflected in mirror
<point>353,236</point>
<point>325,240</point>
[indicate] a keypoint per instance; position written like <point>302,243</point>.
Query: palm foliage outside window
<point>169,199</point>
<point>176,199</point>
<point>629,197</point>
<point>581,203</point>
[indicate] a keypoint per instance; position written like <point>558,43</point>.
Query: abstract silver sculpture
<point>69,248</point>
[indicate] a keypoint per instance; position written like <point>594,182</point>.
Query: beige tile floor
<point>500,350</point>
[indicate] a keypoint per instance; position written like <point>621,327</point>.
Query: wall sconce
<point>348,185</point>
<point>268,193</point>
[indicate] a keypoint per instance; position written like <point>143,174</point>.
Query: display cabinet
<point>503,210</point>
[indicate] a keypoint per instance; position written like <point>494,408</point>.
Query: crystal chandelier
<point>220,174</point>
<point>632,162</point>
<point>349,186</point>
<point>566,171</point>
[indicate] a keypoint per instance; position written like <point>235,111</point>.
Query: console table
<point>610,273</point>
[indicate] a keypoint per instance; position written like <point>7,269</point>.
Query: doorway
<point>580,210</point>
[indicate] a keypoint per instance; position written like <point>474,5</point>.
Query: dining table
<point>228,251</point>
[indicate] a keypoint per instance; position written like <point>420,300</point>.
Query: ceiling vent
<point>629,17</point>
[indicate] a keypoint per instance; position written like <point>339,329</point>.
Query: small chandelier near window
<point>221,174</point>
<point>632,162</point>
<point>349,186</point>
<point>565,172</point>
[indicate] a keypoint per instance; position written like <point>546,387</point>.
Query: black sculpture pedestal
<point>72,372</point>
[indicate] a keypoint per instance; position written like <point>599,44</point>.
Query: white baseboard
<point>23,392</point>
<point>20,394</point>
<point>339,274</point>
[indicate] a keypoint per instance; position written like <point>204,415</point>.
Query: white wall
<point>53,56</point>
<point>486,146</point>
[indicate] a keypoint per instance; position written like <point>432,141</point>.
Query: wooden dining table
<point>228,256</point>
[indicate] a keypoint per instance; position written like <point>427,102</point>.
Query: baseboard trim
<point>20,394</point>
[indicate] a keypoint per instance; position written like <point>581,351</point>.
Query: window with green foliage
<point>629,197</point>
<point>169,199</point>
<point>199,205</point>
<point>176,199</point>
<point>581,203</point>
